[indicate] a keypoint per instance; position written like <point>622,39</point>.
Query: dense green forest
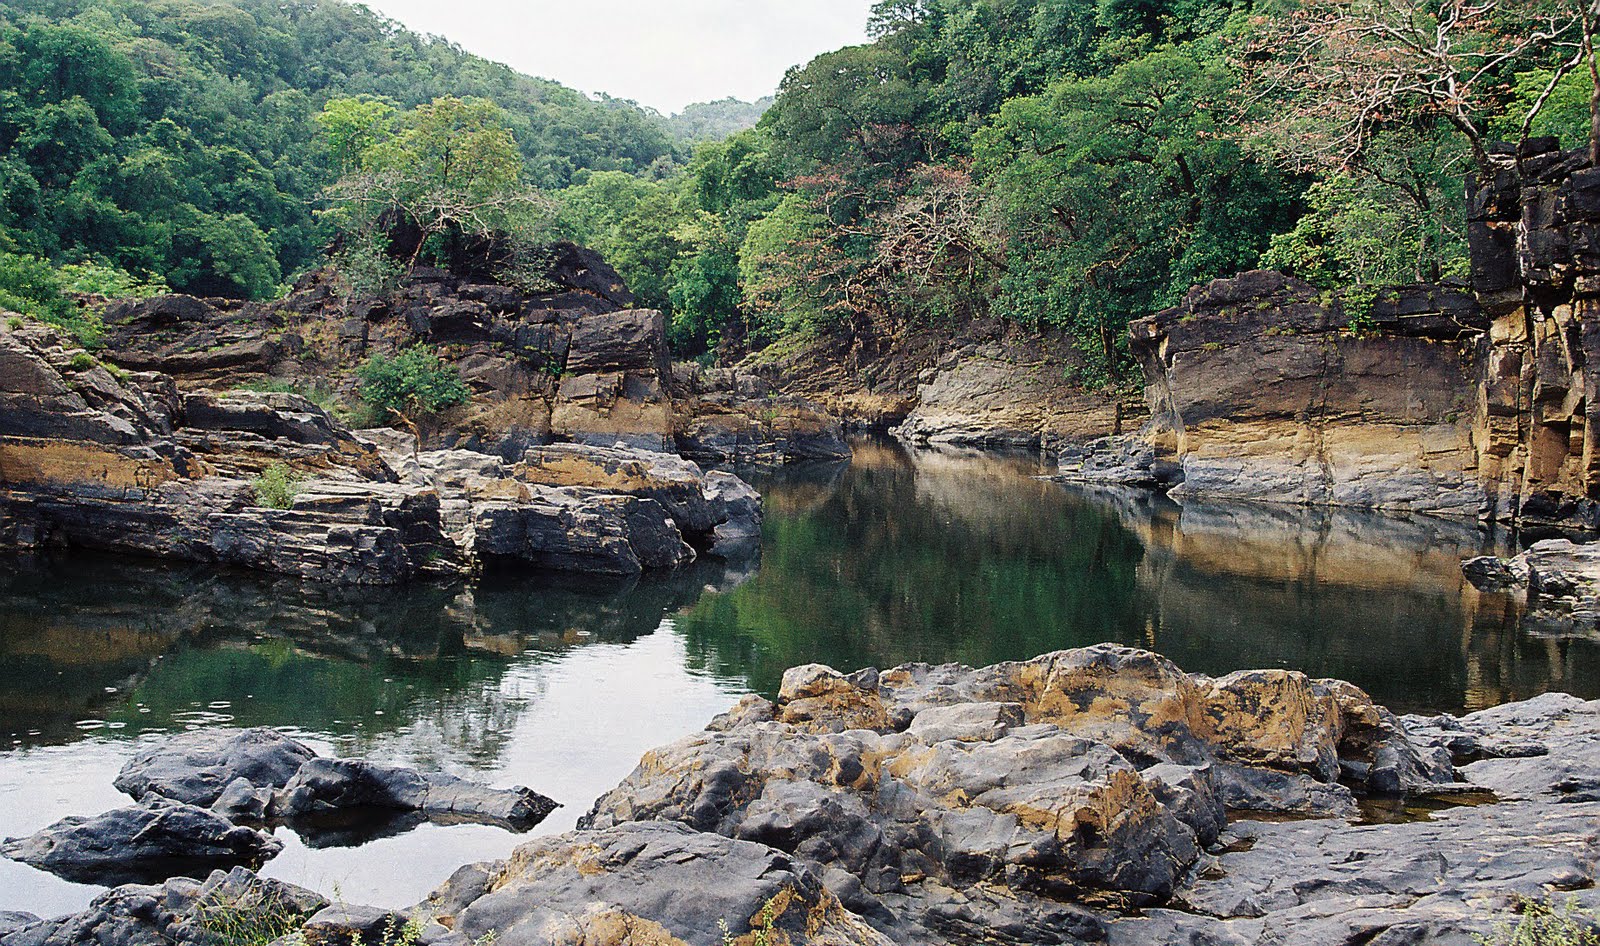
<point>1055,162</point>
<point>176,140</point>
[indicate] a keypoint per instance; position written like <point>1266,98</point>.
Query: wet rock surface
<point>124,463</point>
<point>203,794</point>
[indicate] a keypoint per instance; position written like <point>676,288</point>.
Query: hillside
<point>175,138</point>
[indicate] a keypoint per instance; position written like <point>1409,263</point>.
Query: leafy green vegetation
<point>1545,923</point>
<point>412,385</point>
<point>1054,162</point>
<point>178,140</point>
<point>277,486</point>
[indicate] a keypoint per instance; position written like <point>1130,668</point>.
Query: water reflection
<point>954,556</point>
<point>561,684</point>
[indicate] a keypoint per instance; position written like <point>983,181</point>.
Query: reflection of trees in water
<point>417,672</point>
<point>932,557</point>
<point>943,556</point>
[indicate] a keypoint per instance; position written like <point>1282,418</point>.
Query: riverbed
<point>561,684</point>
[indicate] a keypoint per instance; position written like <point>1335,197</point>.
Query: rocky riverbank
<point>1098,795</point>
<point>572,361</point>
<point>1472,401</point>
<point>94,456</point>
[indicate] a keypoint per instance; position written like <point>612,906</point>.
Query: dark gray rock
<point>644,883</point>
<point>11,921</point>
<point>323,785</point>
<point>155,839</point>
<point>180,912</point>
<point>196,767</point>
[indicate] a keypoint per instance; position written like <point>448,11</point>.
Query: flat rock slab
<point>155,839</point>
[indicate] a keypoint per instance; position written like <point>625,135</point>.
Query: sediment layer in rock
<point>125,462</point>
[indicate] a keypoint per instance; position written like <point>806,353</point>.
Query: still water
<point>561,685</point>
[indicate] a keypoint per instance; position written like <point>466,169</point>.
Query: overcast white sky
<point>661,53</point>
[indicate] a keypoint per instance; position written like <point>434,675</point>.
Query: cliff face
<point>574,362</point>
<point>1535,236</point>
<point>1263,391</point>
<point>1436,400</point>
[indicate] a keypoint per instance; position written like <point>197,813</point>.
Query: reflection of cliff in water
<point>942,556</point>
<point>122,647</point>
<point>1376,599</point>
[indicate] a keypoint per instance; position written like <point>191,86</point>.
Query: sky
<point>661,53</point>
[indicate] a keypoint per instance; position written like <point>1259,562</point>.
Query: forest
<point>1057,163</point>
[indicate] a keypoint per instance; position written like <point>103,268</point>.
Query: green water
<point>561,684</point>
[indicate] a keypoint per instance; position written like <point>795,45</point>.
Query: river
<point>562,684</point>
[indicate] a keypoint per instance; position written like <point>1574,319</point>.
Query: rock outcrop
<point>260,775</point>
<point>153,840</point>
<point>1469,402</point>
<point>1561,580</point>
<point>944,801</point>
<point>92,456</point>
<point>180,912</point>
<point>574,362</point>
<point>203,794</point>
<point>988,383</point>
<point>735,416</point>
<point>1263,389</point>
<point>1032,802</point>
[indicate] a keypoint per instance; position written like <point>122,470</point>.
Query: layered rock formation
<point>574,363</point>
<point>1433,399</point>
<point>988,383</point>
<point>1263,389</point>
<point>94,456</point>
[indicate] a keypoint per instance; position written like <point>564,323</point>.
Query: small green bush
<point>1547,924</point>
<point>277,486</point>
<point>414,382</point>
<point>82,361</point>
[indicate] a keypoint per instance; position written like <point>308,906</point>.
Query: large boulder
<point>323,786</point>
<point>655,884</point>
<point>615,385</point>
<point>1560,578</point>
<point>197,767</point>
<point>155,839</point>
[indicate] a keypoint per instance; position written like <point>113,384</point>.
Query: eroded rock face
<point>1097,775</point>
<point>995,394</point>
<point>1261,389</point>
<point>125,463</point>
<point>735,416</point>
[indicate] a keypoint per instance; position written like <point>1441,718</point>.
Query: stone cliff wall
<point>1262,389</point>
<point>1439,400</point>
<point>1535,237</point>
